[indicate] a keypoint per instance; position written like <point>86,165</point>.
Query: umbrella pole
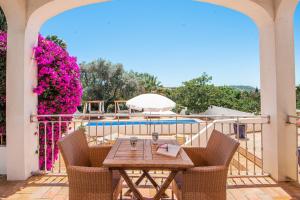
<point>150,123</point>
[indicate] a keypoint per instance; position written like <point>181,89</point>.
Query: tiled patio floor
<point>55,187</point>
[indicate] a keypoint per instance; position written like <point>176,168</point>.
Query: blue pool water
<point>144,122</point>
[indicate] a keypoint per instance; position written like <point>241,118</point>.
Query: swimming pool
<point>143,122</point>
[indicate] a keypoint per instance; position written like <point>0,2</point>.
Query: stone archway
<point>277,77</point>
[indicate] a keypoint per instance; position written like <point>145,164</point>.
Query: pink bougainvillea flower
<point>3,48</point>
<point>59,91</point>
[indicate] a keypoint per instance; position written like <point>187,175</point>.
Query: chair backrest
<point>220,149</point>
<point>74,149</point>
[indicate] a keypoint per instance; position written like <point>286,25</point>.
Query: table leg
<point>151,180</point>
<point>165,185</point>
<point>136,183</point>
<point>131,185</point>
<point>146,174</point>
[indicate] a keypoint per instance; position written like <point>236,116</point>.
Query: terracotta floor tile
<point>54,187</point>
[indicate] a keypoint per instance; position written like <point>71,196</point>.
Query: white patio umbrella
<point>151,103</point>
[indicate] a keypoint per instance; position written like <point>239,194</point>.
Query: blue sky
<point>175,40</point>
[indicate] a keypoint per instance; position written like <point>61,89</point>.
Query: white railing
<point>188,130</point>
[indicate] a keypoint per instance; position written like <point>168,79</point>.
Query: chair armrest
<point>89,179</point>
<point>98,155</point>
<point>196,154</point>
<point>209,178</point>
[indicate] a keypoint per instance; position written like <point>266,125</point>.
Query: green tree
<point>57,40</point>
<point>103,80</point>
<point>198,94</point>
<point>149,82</point>
<point>224,96</point>
<point>298,97</point>
<point>3,23</point>
<point>195,94</point>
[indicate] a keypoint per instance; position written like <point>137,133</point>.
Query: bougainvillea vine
<point>59,91</point>
<point>3,48</point>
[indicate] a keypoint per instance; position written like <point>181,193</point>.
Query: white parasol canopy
<point>151,102</point>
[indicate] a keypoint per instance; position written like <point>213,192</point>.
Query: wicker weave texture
<point>87,179</point>
<point>207,180</point>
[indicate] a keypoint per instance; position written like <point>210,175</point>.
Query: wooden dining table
<point>145,158</point>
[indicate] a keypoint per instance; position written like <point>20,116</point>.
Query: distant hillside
<point>238,87</point>
<point>243,87</point>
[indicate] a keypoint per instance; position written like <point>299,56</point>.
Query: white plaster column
<point>278,97</point>
<point>21,102</point>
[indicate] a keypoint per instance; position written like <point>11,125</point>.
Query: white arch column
<point>278,93</point>
<point>21,158</point>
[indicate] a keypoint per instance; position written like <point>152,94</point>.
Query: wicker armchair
<point>207,180</point>
<point>87,179</point>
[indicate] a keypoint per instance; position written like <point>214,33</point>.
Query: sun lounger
<point>159,114</point>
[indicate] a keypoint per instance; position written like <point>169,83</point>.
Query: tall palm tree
<point>151,83</point>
